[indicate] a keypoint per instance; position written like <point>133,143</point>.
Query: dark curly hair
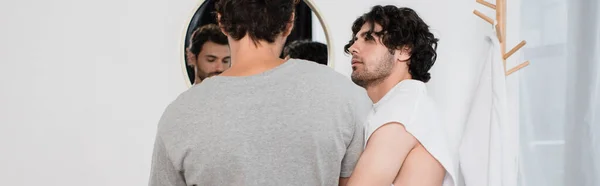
<point>307,50</point>
<point>201,35</point>
<point>259,19</point>
<point>402,27</point>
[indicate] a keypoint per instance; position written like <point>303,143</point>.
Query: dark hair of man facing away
<point>398,28</point>
<point>261,20</point>
<point>265,121</point>
<point>307,50</point>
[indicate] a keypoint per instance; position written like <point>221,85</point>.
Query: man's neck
<point>250,59</point>
<point>379,90</point>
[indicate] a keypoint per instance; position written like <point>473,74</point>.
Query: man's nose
<point>219,66</point>
<point>354,48</point>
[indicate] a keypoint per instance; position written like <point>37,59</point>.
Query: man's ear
<point>191,58</point>
<point>403,54</point>
<point>219,23</point>
<point>290,25</point>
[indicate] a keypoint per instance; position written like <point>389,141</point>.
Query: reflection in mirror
<point>207,53</point>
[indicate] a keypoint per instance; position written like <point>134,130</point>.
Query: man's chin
<point>357,80</point>
<point>360,83</point>
<point>355,75</point>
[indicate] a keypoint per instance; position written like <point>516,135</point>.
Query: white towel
<point>489,146</point>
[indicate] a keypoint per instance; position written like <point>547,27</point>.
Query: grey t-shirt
<point>300,123</point>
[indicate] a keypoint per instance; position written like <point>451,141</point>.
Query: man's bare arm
<point>420,168</point>
<point>384,154</point>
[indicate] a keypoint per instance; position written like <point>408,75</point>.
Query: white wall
<point>83,86</point>
<point>318,33</point>
<point>83,83</point>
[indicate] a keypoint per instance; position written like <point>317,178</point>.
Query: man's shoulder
<point>314,68</point>
<point>325,74</point>
<point>176,112</point>
<point>408,93</point>
<point>406,102</point>
<point>339,87</point>
<point>184,98</point>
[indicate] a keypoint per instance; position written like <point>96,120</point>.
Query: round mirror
<point>206,52</point>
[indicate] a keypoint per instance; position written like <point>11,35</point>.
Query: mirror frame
<point>310,3</point>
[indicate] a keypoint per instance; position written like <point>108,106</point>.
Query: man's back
<point>298,124</point>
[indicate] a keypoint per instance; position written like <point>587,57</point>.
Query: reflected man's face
<point>212,60</point>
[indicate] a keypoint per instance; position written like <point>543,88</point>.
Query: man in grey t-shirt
<point>265,121</point>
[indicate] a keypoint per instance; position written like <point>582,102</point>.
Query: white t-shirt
<point>408,103</point>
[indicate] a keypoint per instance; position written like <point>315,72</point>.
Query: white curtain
<point>560,93</point>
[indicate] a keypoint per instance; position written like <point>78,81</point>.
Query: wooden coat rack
<point>500,8</point>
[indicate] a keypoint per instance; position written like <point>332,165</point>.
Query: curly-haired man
<point>392,51</point>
